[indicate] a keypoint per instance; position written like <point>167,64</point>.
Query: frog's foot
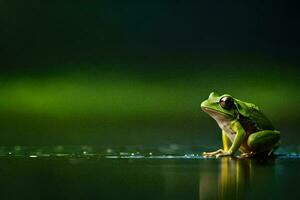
<point>213,153</point>
<point>217,154</point>
<point>247,155</point>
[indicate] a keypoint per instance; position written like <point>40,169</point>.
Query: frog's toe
<point>217,154</point>
<point>223,154</point>
<point>247,155</point>
<point>214,153</point>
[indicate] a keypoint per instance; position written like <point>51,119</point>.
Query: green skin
<point>244,127</point>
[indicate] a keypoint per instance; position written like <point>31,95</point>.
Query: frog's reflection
<point>234,177</point>
<point>230,181</point>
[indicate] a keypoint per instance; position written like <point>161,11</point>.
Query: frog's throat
<point>223,120</point>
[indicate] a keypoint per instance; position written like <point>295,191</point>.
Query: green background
<point>118,73</point>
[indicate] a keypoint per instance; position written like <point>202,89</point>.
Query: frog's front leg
<point>226,141</point>
<point>226,146</point>
<point>238,140</point>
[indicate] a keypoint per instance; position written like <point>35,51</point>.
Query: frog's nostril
<point>203,104</point>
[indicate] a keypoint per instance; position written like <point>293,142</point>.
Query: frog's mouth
<point>217,115</point>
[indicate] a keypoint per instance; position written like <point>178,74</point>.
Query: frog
<point>244,127</point>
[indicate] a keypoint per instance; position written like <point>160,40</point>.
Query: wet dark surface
<point>88,173</point>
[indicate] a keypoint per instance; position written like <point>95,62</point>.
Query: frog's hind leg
<point>274,148</point>
<point>248,155</point>
<point>264,141</point>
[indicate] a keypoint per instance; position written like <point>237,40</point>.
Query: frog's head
<point>220,107</point>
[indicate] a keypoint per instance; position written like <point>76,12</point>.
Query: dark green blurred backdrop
<point>118,73</point>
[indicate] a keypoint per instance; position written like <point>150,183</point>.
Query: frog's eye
<point>227,102</point>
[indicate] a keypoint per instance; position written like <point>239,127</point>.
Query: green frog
<point>244,127</point>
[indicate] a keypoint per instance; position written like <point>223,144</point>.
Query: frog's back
<point>254,120</point>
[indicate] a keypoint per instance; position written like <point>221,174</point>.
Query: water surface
<point>82,173</point>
